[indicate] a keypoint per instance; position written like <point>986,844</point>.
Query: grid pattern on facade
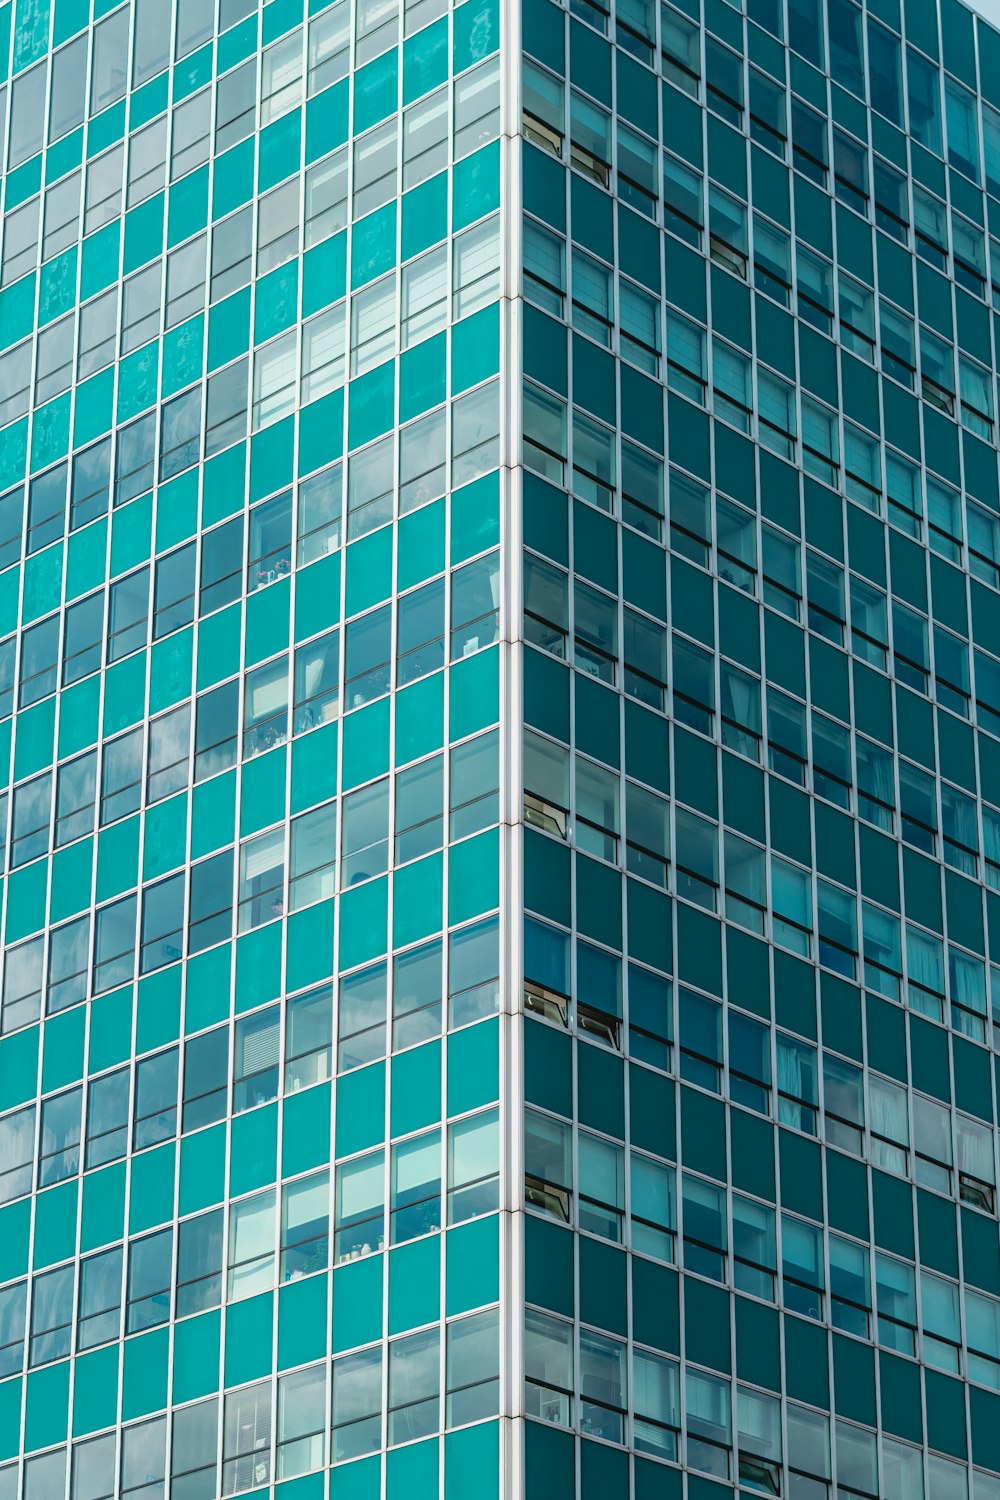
<point>761,262</point>
<point>249,526</point>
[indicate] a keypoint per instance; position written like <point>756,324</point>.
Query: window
<point>98,333</point>
<point>301,1422</point>
<point>850,171</point>
<point>75,797</point>
<point>255,1059</point>
<point>149,1272</point>
<point>473,1167</point>
<point>27,109</point>
<point>476,267</point>
<point>324,353</point>
<point>543,256</point>
<point>221,566</point>
<point>544,117</point>
<point>206,1072</point>
<point>278,227</point>
<point>419,809</point>
<point>548,1368</point>
<point>12,1328</point>
<point>193,1449</point>
<point>210,918</point>
<point>415,1202</point>
<point>477,107</point>
<point>413,1386</point>
<point>359,1207</point>
<point>134,466</point>
<point>15,381</point>
<point>143,1458</point>
<point>155,1099</point>
<point>39,661</point>
<point>262,875</point>
<point>313,855</point>
<point>809,142</point>
<point>424,297</point>
<point>373,324</point>
<point>128,623</point>
<point>317,682</point>
<point>246,1441</point>
<point>109,72</point>
<point>216,740</point>
<point>30,822</point>
<point>368,651</point>
<point>11,524</point>
<point>90,484</point>
<point>371,488</point>
<point>147,162</point>
<point>232,249</point>
<point>305,1217</point>
<point>265,707</point>
<point>93,1467</point>
<point>62,213</point>
<point>59,1150</point>
<point>20,241</point>
<point>141,308</point>
<point>329,47</point>
<point>185,281</point>
<point>121,777</point>
<point>357,1404</point>
<point>199,1263</point>
<point>472,1368</point>
<point>473,972</point>
<point>107,1118</point>
<point>251,1245</point>
<point>180,434</point>
<point>69,960</point>
<point>377,28</point>
<point>362,1017</point>
<point>318,515</point>
<point>51,1316</point>
<point>191,130</point>
<point>768,113</point>
<point>640,328</point>
<point>17,1150</point>
<point>638,177</point>
<point>169,753</point>
<point>416,992</point>
<point>275,369</point>
<point>474,784</point>
<point>54,363</point>
<point>281,78</point>
<point>235,106</point>
<point>98,1318</point>
<point>326,198</point>
<point>226,410</point>
<point>68,93</point>
<point>680,41</point>
<point>22,984</point>
<point>46,508</point>
<point>308,1038</point>
<point>425,138</point>
<point>423,461</point>
<point>103,200</point>
<point>374,168</point>
<point>683,205</point>
<point>547,1165</point>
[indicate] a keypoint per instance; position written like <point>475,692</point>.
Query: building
<point>500,674</point>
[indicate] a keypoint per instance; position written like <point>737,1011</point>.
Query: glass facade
<point>250,510</point>
<point>500,699</point>
<point>761,752</point>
